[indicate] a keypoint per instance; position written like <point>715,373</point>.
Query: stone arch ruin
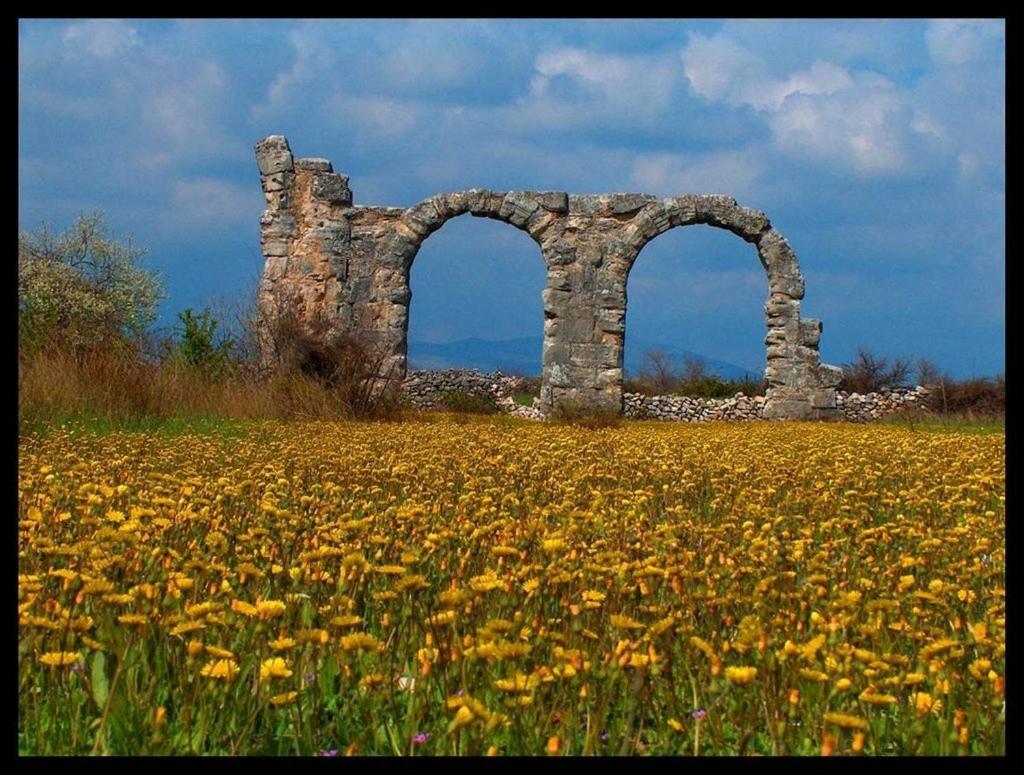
<point>350,265</point>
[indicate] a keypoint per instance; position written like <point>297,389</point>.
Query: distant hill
<point>523,356</point>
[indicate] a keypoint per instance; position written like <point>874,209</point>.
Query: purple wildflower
<point>332,752</point>
<point>699,713</point>
<point>604,736</point>
<point>310,677</point>
<point>421,738</point>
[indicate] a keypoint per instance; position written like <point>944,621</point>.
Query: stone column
<point>584,321</point>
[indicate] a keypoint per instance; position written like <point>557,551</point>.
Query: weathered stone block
<point>275,267</point>
<point>278,200</point>
<point>623,204</point>
<point>275,223</point>
<point>554,201</point>
<point>314,165</point>
<point>789,284</point>
<point>810,332</point>
<point>278,181</point>
<point>273,155</point>
<point>331,187</point>
<point>275,247</point>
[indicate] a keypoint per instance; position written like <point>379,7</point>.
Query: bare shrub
<point>356,372</point>
<point>869,373</point>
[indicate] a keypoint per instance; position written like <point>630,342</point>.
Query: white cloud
<point>185,117</point>
<point>572,87</point>
<point>858,120</point>
<point>100,38</point>
<point>735,173</point>
<point>312,61</point>
<point>863,127</point>
<point>958,41</point>
<point>208,202</point>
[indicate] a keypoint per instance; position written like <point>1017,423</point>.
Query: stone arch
<point>350,264</point>
<point>531,212</point>
<point>793,368</point>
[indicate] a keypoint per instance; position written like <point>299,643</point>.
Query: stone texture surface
<point>349,266</point>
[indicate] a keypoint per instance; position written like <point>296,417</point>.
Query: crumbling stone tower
<point>350,265</point>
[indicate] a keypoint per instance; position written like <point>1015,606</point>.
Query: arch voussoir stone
<point>350,265</point>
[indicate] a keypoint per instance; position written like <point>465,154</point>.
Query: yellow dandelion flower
<point>445,617</point>
<point>59,658</point>
<point>870,697</point>
<point>361,641</point>
<point>980,668</point>
<point>275,667</point>
<point>225,669</point>
<point>846,721</point>
<point>312,636</point>
<point>244,608</point>
<point>625,622</point>
<point>186,627</point>
<point>266,609</point>
<point>283,699</point>
<point>925,704</point>
<point>740,675</point>
<point>463,717</point>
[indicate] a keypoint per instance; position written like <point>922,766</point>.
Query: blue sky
<point>876,147</point>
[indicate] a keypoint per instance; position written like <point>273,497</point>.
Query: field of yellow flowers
<point>455,587</point>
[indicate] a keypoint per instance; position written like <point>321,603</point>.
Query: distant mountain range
<point>523,356</point>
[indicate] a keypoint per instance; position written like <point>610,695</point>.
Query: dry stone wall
<point>851,407</point>
<point>345,269</point>
<point>426,389</point>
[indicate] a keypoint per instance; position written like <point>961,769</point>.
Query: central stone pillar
<point>584,321</point>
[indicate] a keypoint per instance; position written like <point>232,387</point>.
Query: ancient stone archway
<point>350,265</point>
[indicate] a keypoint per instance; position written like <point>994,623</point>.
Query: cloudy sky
<point>876,147</point>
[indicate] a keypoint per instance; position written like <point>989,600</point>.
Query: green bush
<point>469,403</point>
<point>200,345</point>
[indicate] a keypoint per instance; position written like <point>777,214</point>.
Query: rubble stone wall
<point>425,390</point>
<point>345,269</point>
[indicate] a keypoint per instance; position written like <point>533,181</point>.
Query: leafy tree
<point>82,286</point>
<point>200,345</point>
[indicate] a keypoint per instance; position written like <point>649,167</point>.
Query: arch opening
<point>475,299</point>
<point>695,309</point>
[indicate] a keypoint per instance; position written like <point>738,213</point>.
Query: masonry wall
<point>346,269</point>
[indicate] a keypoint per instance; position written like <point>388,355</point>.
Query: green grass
<point>950,424</point>
<point>523,399</point>
<point>227,427</point>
